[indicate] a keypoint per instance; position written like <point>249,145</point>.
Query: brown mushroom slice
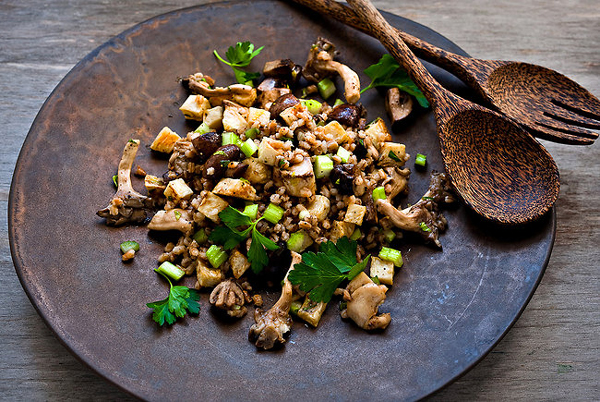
<point>299,179</point>
<point>245,95</point>
<point>399,105</point>
<point>320,64</point>
<point>363,298</point>
<point>173,219</point>
<point>229,296</point>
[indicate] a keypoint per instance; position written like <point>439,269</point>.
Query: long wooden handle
<point>454,63</point>
<point>390,38</point>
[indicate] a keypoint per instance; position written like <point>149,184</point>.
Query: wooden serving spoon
<point>549,104</point>
<point>498,168</point>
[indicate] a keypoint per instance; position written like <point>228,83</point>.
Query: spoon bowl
<point>497,168</point>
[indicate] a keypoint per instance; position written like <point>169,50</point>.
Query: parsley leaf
<point>240,55</point>
<point>229,236</point>
<point>180,301</point>
<point>321,273</point>
<point>388,73</point>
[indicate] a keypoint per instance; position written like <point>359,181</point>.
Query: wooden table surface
<point>552,352</point>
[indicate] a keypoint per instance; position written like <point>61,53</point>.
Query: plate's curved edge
<point>542,271</point>
<point>66,340</point>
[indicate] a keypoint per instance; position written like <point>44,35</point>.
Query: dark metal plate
<point>449,307</point>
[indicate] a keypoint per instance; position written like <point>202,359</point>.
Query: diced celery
<point>202,128</point>
<point>338,102</point>
<point>216,256</point>
<point>273,213</point>
<point>356,234</point>
<point>391,254</point>
<point>389,235</point>
<point>296,241</point>
<point>326,88</point>
<point>129,245</point>
<point>230,138</point>
<point>420,160</point>
<point>379,194</point>
<point>313,106</point>
<point>252,132</point>
<point>249,148</point>
<point>251,210</point>
<point>171,270</point>
<point>323,166</point>
<point>344,154</point>
<point>200,236</point>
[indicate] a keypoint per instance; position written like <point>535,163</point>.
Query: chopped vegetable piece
<point>389,235</point>
<point>200,236</point>
<point>421,160</point>
<point>230,138</point>
<point>115,178</point>
<point>321,273</point>
<point>203,128</point>
<point>252,132</point>
<point>249,148</point>
<point>326,88</point>
<point>299,241</point>
<point>356,234</point>
<point>251,211</point>
<point>338,102</point>
<point>344,154</point>
<point>171,270</point>
<point>323,166</point>
<point>313,106</point>
<point>216,256</point>
<point>180,301</point>
<point>129,245</point>
<point>273,213</point>
<point>424,227</point>
<point>391,254</point>
<point>379,194</point>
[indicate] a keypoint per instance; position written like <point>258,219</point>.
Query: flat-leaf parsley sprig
<point>388,73</point>
<point>181,299</point>
<point>320,273</point>
<point>229,236</point>
<point>241,55</point>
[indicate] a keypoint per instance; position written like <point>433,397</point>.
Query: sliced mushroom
<point>245,95</point>
<point>399,105</point>
<point>320,64</point>
<point>229,296</point>
<point>363,298</point>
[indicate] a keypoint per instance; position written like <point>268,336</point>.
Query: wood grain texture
<point>553,351</point>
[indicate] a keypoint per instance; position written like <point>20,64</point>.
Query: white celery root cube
<point>269,149</point>
<point>355,214</point>
<point>165,141</point>
<point>194,107</point>
<point>208,277</point>
<point>392,154</point>
<point>211,205</point>
<point>239,263</point>
<point>178,190</point>
<point>378,132</point>
<point>337,131</point>
<point>319,207</point>
<point>383,270</point>
<point>311,311</point>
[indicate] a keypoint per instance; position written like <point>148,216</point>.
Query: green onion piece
<point>129,245</point>
<point>115,178</point>
<point>296,241</point>
<point>200,236</point>
<point>230,138</point>
<point>356,234</point>
<point>313,106</point>
<point>391,254</point>
<point>202,128</point>
<point>249,148</point>
<point>251,210</point>
<point>389,235</point>
<point>323,166</point>
<point>326,88</point>
<point>420,160</point>
<point>379,194</point>
<point>252,132</point>
<point>273,213</point>
<point>216,256</point>
<point>338,102</point>
<point>424,227</point>
<point>170,270</point>
<point>344,154</point>
<point>295,307</point>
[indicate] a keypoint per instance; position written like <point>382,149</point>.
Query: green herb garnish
<point>241,55</point>
<point>229,236</point>
<point>321,273</point>
<point>180,301</point>
<point>388,73</point>
<point>424,227</point>
<point>394,157</point>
